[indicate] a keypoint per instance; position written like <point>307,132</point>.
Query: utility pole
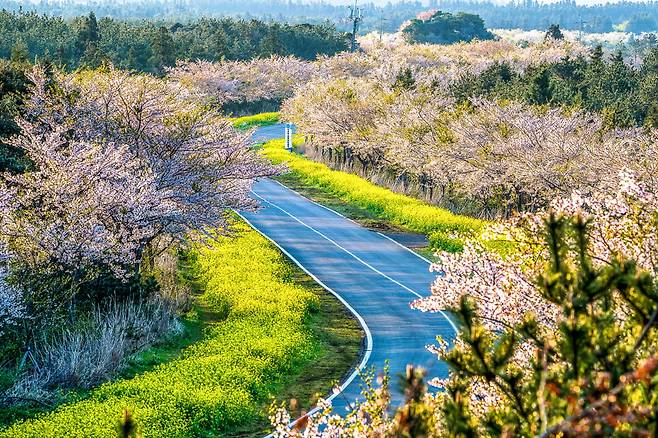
<point>381,26</point>
<point>356,16</point>
<point>580,33</point>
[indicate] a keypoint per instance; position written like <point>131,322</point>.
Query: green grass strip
<point>440,225</point>
<point>259,338</point>
<point>248,122</point>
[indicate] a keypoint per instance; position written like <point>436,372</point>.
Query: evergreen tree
<point>596,56</point>
<point>88,34</point>
<point>539,87</point>
<point>163,50</point>
<point>554,32</point>
<point>92,57</point>
<point>651,119</point>
<point>405,80</point>
<point>60,55</point>
<point>87,43</point>
<point>446,28</point>
<point>272,44</point>
<point>593,86</point>
<point>220,43</point>
<point>20,52</point>
<point>591,375</point>
<point>620,89</point>
<point>13,87</point>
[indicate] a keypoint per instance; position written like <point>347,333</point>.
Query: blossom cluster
<point>384,59</point>
<point>369,418</point>
<point>274,78</point>
<point>504,287</point>
<point>121,162</point>
<point>504,291</point>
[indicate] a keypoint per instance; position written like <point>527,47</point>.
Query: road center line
<point>367,351</point>
<point>352,254</point>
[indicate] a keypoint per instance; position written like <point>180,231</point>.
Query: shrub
<point>87,356</point>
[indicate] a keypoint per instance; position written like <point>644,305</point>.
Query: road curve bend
<point>375,277</point>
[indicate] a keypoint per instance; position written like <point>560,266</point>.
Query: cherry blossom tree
<point>442,65</point>
<point>122,165</point>
<point>525,156</point>
<point>503,286</point>
<point>485,158</point>
<point>273,78</point>
<point>339,115</point>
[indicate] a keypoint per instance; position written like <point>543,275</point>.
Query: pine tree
<point>539,89</point>
<point>651,119</point>
<point>88,43</point>
<point>594,374</point>
<point>272,44</point>
<point>163,50</point>
<point>220,44</point>
<point>88,34</point>
<point>593,85</point>
<point>554,33</point>
<point>20,52</point>
<point>596,56</point>
<point>405,80</point>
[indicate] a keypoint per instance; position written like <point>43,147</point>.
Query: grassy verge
<point>265,326</point>
<point>375,203</point>
<point>263,119</point>
<point>339,337</point>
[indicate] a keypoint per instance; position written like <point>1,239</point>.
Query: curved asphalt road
<point>374,276</point>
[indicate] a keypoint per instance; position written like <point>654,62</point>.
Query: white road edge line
<point>362,322</point>
<point>315,202</point>
<point>349,219</point>
<point>452,324</point>
<point>408,249</point>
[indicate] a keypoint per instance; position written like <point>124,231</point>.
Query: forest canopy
<point>387,16</point>
<point>151,46</point>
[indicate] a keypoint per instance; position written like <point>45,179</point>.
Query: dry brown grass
<point>92,352</point>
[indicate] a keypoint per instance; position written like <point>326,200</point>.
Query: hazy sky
<point>380,2</point>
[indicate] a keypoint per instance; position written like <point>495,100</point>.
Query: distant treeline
<point>524,14</point>
<point>529,14</point>
<point>153,45</point>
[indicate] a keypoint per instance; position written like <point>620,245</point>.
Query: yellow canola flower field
<point>262,119</point>
<point>440,225</point>
<point>220,381</point>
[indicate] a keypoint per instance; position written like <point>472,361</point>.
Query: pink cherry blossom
<point>121,163</point>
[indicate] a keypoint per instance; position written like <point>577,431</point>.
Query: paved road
<point>268,133</point>
<point>374,276</point>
